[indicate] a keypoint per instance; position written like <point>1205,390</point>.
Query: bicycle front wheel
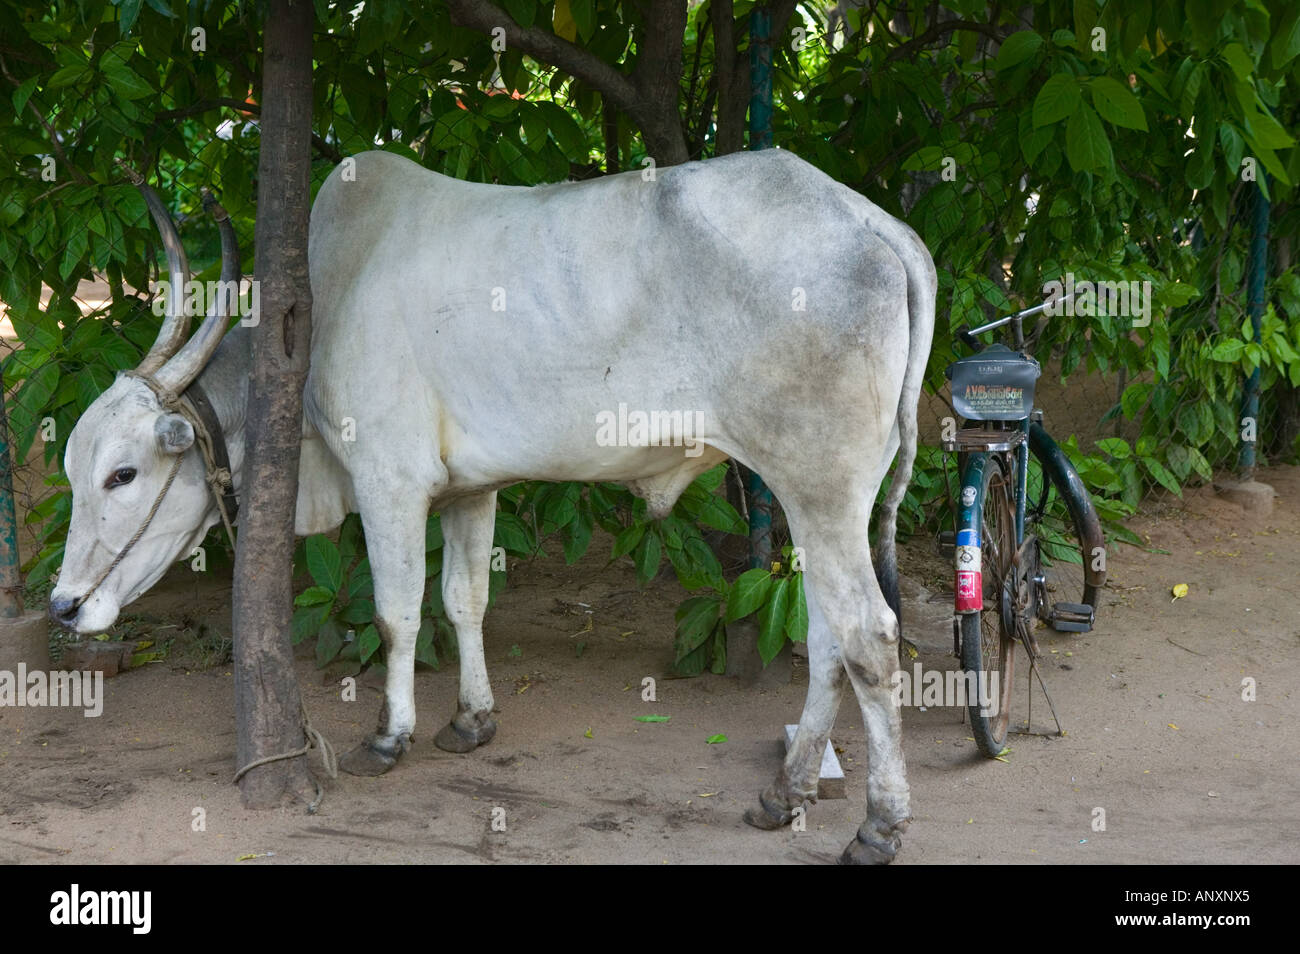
<point>988,649</point>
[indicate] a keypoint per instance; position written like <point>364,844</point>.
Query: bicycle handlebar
<point>967,335</point>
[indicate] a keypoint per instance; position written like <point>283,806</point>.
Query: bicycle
<point>1016,562</point>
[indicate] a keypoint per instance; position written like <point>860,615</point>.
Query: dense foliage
<point>1111,141</point>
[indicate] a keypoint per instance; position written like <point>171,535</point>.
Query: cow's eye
<point>120,477</point>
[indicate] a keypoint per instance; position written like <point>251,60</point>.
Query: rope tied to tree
<point>315,740</point>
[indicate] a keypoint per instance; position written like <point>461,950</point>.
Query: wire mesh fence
<point>519,124</point>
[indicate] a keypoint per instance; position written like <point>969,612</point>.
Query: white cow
<point>470,336</point>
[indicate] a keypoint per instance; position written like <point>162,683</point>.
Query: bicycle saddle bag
<point>995,385</point>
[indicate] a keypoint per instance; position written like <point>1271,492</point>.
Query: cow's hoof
<point>767,815</point>
<point>453,738</point>
<point>874,847</point>
<point>375,756</point>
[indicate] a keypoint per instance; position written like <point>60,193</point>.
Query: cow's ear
<point>175,434</point>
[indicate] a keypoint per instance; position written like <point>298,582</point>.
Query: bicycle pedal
<point>947,543</point>
<point>1071,617</point>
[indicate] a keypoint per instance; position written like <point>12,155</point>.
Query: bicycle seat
<point>995,385</point>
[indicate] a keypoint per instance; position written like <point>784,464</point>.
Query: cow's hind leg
<point>395,546</point>
<point>841,584</point>
<point>797,780</point>
<point>467,526</point>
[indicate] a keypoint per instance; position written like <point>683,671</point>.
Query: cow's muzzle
<point>64,610</point>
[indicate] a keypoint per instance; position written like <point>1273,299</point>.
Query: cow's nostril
<point>64,610</point>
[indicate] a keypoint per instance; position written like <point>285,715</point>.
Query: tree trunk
<point>267,702</point>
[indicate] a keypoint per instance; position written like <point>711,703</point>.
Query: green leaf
<point>1017,48</point>
<point>358,613</point>
<point>1058,99</point>
<point>560,507</point>
<point>647,557</point>
<point>433,533</point>
<point>715,739</point>
<point>360,583</point>
<point>715,512</point>
<point>1134,398</point>
<point>748,593</point>
<point>1114,446</point>
<point>1266,132</point>
<point>524,12</point>
<point>1285,44</point>
<point>324,563</point>
<point>1178,294</point>
<point>771,621</point>
<point>128,10</point>
<point>1228,351</point>
<point>577,535</point>
<point>1162,476</point>
<point>424,648</point>
<point>127,83</point>
<point>1117,104</point>
<point>627,540</point>
<point>584,16</point>
<point>696,619</point>
<point>68,75</point>
<point>368,642</point>
<point>572,140</point>
<point>22,94</point>
<point>653,718</point>
<point>307,621</point>
<point>314,596</point>
<point>1235,55</point>
<point>796,618</point>
<point>328,642</point>
<point>1086,144</point>
<point>512,534</point>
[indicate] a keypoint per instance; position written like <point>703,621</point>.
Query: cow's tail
<point>922,287</point>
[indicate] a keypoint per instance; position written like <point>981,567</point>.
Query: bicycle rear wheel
<point>988,649</point>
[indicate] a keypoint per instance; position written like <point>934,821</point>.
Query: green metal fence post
<point>1256,275</point>
<point>760,137</point>
<point>11,580</point>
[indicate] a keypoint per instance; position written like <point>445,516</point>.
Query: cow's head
<point>133,465</point>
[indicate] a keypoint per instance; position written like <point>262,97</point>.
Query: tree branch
<point>938,31</point>
<point>545,46</point>
<point>54,136</point>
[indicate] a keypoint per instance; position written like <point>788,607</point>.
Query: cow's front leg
<point>467,527</point>
<point>395,545</point>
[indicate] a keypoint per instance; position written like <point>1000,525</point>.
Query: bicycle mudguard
<point>968,584</point>
<point>1077,500</point>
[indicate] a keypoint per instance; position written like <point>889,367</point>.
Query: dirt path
<point>1157,735</point>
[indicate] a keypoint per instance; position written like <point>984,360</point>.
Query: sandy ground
<point>1157,734</point>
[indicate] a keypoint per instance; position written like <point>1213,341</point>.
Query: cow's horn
<point>176,324</point>
<point>179,372</point>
